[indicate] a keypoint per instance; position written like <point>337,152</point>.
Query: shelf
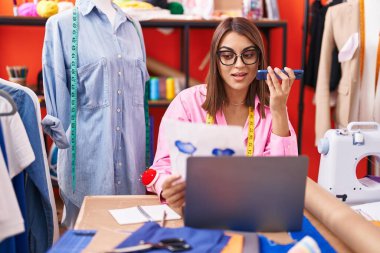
<point>151,103</point>
<point>159,103</point>
<point>185,26</point>
<point>37,21</point>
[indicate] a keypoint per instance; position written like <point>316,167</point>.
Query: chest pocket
<point>136,70</point>
<point>93,86</point>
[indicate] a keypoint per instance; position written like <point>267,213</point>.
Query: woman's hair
<point>216,93</point>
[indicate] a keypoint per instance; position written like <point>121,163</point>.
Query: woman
<point>232,96</point>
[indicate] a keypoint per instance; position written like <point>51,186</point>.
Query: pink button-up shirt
<point>187,106</point>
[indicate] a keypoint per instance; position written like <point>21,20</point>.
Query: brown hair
<point>216,93</point>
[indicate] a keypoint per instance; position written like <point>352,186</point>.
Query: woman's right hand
<point>173,191</point>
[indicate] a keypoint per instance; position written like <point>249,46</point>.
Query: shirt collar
<point>86,6</point>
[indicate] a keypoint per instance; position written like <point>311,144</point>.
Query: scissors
<point>171,244</point>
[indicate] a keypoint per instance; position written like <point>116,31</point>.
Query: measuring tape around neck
<point>251,129</point>
<point>73,96</point>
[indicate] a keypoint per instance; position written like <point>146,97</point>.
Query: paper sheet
<point>199,139</point>
<point>134,215</point>
<point>370,211</point>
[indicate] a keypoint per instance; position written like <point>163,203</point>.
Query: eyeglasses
<point>229,58</point>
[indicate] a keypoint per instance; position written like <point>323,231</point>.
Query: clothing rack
<point>305,32</point>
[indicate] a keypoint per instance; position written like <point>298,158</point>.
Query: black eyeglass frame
<point>218,53</point>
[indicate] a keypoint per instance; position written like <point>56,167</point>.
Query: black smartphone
<point>262,74</point>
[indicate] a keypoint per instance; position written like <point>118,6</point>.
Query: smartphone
<point>262,74</point>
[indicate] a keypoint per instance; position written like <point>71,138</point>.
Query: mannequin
<point>110,119</point>
<point>107,8</point>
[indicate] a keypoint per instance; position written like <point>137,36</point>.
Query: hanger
<point>10,100</point>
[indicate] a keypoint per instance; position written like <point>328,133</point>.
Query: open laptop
<point>246,193</point>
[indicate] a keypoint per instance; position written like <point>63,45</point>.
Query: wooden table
<point>94,215</point>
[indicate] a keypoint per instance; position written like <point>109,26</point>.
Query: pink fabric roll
<point>27,9</point>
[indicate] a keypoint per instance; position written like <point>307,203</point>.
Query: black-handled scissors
<point>171,244</point>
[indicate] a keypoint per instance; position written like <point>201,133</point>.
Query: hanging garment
<point>18,154</point>
<point>36,103</point>
<point>110,146</point>
<point>341,24</point>
<point>40,222</point>
<point>367,100</point>
<point>318,13</point>
<point>11,221</point>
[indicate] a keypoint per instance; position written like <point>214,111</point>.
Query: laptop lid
<point>246,193</point>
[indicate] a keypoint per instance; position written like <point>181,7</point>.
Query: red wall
<point>23,46</point>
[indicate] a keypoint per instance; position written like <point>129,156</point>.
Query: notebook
<point>139,214</point>
<point>263,194</point>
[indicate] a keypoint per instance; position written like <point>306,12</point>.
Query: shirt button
<point>119,92</point>
<point>119,148</point>
<point>118,110</point>
<point>119,73</point>
<point>120,164</point>
<point>118,182</point>
<point>118,128</point>
<point>119,56</point>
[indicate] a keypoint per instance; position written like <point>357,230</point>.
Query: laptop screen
<point>246,193</point>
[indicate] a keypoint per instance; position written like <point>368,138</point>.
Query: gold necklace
<point>237,104</point>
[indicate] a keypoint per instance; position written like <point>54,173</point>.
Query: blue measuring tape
<point>73,96</point>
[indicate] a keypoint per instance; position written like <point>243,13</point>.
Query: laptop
<point>253,194</point>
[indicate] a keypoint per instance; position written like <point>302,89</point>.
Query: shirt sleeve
<point>282,146</point>
<point>56,91</point>
<point>161,163</point>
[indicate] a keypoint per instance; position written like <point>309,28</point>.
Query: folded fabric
<point>307,229</point>
<point>73,241</point>
<point>54,128</point>
<point>200,240</point>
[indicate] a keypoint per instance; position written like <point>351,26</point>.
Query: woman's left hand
<point>279,92</point>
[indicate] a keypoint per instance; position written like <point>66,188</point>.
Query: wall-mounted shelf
<point>185,25</point>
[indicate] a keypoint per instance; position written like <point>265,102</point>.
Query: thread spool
<point>170,88</point>
<point>154,89</point>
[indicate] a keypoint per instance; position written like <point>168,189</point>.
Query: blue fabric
<point>9,244</point>
<point>18,243</point>
<point>2,146</point>
<point>110,120</point>
<point>21,240</point>
<point>307,229</point>
<point>201,240</point>
<point>39,215</point>
<point>73,241</point>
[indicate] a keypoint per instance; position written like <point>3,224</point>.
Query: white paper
<point>348,50</point>
<point>370,211</point>
<point>133,215</point>
<point>199,139</point>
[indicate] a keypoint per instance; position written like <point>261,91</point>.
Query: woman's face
<point>238,75</point>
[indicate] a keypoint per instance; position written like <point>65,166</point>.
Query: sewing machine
<point>341,150</point>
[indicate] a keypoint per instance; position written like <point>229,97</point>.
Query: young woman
<point>232,96</point>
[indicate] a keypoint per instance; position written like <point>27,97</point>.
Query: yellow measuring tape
<point>251,130</point>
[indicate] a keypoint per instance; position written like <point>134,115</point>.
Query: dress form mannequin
<point>106,7</point>
<point>110,97</point>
